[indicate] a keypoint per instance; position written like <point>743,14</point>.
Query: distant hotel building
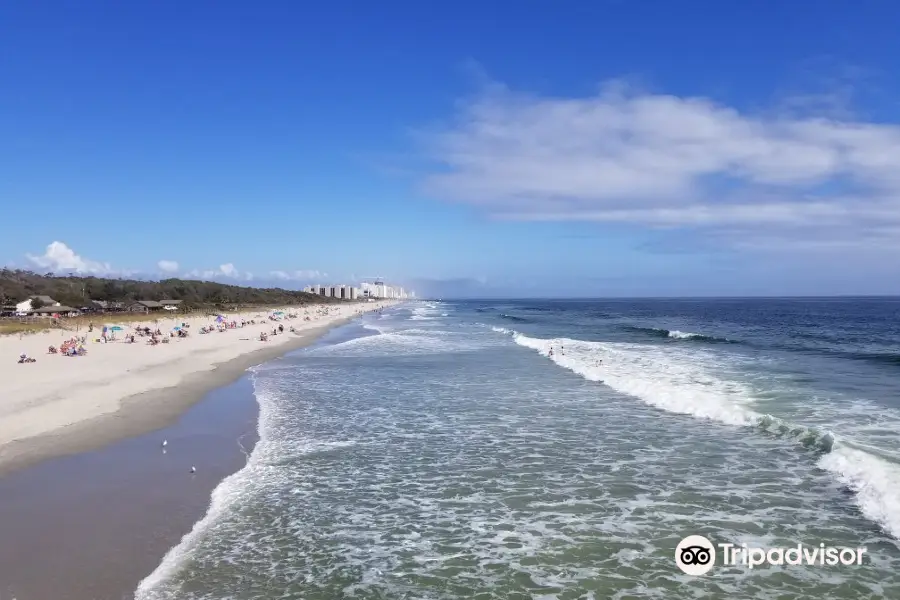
<point>379,289</point>
<point>374,289</point>
<point>344,292</point>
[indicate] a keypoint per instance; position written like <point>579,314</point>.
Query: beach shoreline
<point>92,508</point>
<point>59,413</point>
<point>92,525</point>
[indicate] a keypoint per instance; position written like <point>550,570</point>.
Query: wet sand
<point>91,526</point>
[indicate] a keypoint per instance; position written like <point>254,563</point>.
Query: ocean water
<point>439,451</point>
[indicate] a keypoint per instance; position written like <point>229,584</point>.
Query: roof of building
<point>54,309</point>
<point>105,304</point>
<point>149,303</point>
<point>44,299</point>
<point>165,302</point>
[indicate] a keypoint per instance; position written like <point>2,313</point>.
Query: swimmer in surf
<point>551,350</point>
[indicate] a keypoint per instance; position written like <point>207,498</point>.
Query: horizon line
<point>745,297</point>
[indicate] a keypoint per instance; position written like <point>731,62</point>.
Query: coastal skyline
<point>571,150</point>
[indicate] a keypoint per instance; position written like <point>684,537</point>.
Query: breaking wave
<point>678,335</point>
<point>656,377</point>
<point>818,344</point>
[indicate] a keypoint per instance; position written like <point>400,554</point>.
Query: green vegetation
<point>17,286</point>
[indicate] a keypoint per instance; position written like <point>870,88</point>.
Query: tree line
<point>17,285</point>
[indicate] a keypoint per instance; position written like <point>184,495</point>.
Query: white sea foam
<point>426,312</point>
<point>398,340</point>
<point>875,481</point>
<point>236,490</point>
<point>464,484</point>
<point>683,335</point>
<point>681,384</point>
<point>225,495</point>
<point>673,386</point>
<point>375,327</point>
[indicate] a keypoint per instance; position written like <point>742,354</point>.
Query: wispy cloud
<point>669,162</point>
<point>298,275</point>
<point>225,271</point>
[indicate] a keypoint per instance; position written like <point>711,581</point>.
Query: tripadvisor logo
<point>696,555</point>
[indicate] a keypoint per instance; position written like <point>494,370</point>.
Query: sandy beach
<point>64,404</point>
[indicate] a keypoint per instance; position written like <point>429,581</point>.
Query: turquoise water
<point>439,451</point>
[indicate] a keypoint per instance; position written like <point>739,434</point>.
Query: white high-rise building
<point>379,289</point>
<point>341,292</point>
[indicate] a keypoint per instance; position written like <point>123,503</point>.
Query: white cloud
<point>167,266</point>
<point>225,271</point>
<point>299,275</point>
<point>670,162</point>
<point>58,257</point>
<point>228,270</point>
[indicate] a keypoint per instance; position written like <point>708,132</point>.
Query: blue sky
<point>595,148</point>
